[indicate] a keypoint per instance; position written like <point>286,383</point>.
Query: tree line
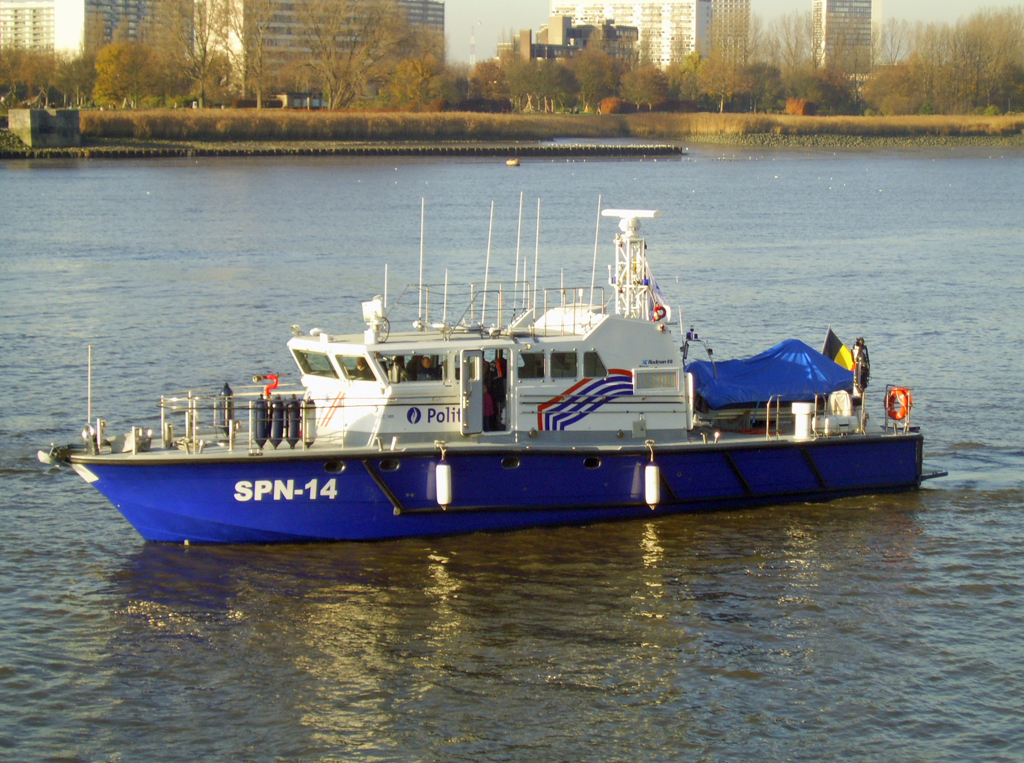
<point>362,53</point>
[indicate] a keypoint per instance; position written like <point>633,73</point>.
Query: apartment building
<point>667,29</point>
<point>842,34</point>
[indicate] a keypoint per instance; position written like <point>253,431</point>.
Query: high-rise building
<point>842,34</point>
<point>67,25</point>
<point>730,28</point>
<point>559,39</point>
<point>667,29</point>
<point>424,14</point>
<point>285,18</point>
<point>27,24</point>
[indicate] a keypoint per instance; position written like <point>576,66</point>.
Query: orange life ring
<point>898,402</point>
<point>658,313</point>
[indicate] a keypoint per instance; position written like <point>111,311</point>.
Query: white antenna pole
<point>385,285</point>
<point>89,404</point>
<point>597,240</point>
<point>536,260</point>
<point>526,284</point>
<point>519,241</point>
<point>444,312</point>
<point>487,267</point>
<point>423,216</point>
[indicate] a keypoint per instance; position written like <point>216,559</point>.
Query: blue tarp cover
<point>791,369</point>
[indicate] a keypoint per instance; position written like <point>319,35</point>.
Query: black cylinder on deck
<point>293,415</point>
<point>260,422</point>
<point>276,420</point>
<point>228,405</point>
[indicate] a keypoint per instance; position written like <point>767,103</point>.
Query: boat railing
<point>501,306</point>
<point>192,419</point>
<point>768,417</point>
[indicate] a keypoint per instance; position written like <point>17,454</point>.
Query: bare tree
<point>891,42</point>
<point>248,24</point>
<point>349,44</point>
<point>791,38</point>
<point>192,35</point>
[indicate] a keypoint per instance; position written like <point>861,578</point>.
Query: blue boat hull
<point>388,495</point>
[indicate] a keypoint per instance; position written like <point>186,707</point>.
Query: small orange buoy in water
<point>513,162</point>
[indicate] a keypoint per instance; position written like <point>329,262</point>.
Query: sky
<point>490,20</point>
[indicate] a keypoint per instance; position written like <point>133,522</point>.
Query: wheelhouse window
<point>315,363</point>
<point>647,380</point>
<point>593,366</point>
<point>429,367</point>
<point>564,365</point>
<point>395,367</point>
<point>530,365</point>
<point>356,367</point>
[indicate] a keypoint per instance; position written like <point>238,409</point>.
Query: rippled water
<point>877,628</point>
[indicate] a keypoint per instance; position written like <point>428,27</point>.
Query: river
<point>878,628</point>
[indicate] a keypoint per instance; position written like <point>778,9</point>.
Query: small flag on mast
<point>837,351</point>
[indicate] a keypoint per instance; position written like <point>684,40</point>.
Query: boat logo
<point>414,415</point>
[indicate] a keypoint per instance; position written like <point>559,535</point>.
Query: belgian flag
<point>837,351</point>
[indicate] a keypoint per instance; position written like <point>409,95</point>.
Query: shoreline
<point>870,142</point>
<point>585,148</point>
<point>156,133</point>
<point>504,150</point>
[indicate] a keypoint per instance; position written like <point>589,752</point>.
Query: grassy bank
<point>265,125</point>
<point>259,126</point>
<point>297,131</point>
<point>677,126</point>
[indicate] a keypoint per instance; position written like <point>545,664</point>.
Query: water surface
<point>878,628</point>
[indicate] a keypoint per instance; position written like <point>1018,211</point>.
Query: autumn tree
<point>764,84</point>
<point>540,85</point>
<point>894,89</point>
<point>684,77</point>
<point>123,74</point>
<point>33,73</point>
<point>76,76</point>
<point>597,76</point>
<point>720,78</point>
<point>410,83</point>
<point>487,81</point>
<point>646,85</point>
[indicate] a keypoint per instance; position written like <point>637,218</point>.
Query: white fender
<point>652,485</point>
<point>443,477</point>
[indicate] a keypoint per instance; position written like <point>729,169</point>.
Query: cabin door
<point>471,385</point>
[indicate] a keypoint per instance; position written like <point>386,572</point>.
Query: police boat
<point>503,407</point>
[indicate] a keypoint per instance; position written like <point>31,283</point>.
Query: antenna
<point>636,292</point>
<point>423,216</point>
<point>597,239</point>
<point>519,241</point>
<point>536,260</point>
<point>472,44</point>
<point>487,267</point>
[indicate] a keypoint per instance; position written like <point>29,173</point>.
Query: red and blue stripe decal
<point>582,399</point>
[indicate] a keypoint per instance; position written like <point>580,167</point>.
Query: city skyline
<point>464,18</point>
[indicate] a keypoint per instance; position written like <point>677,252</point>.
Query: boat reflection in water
<point>353,647</point>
